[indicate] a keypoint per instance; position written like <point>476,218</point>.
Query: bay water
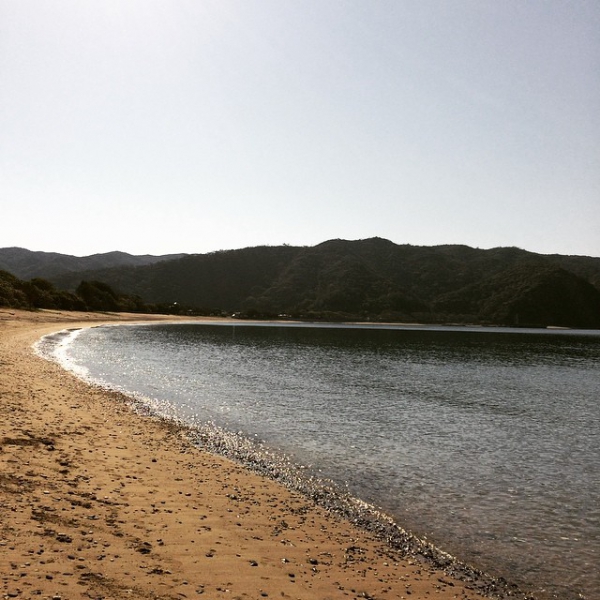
<point>484,441</point>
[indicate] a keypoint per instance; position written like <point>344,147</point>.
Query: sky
<point>158,127</point>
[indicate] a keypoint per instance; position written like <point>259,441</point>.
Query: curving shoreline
<point>98,501</point>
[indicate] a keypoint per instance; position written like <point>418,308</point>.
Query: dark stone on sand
<point>144,548</point>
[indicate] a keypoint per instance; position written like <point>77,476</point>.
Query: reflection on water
<point>485,442</point>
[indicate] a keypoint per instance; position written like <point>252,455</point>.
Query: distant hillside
<point>26,264</point>
<point>374,279</point>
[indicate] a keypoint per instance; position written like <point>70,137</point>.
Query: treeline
<point>375,280</point>
<point>39,293</point>
<point>339,280</point>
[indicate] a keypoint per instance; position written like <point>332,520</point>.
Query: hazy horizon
<point>191,127</point>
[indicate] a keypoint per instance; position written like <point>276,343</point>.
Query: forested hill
<point>374,279</point>
<point>27,264</point>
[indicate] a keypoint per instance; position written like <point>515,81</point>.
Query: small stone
<point>144,548</point>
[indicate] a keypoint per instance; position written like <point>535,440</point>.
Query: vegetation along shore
<point>338,280</point>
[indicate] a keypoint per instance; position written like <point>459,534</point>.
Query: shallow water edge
<point>260,459</point>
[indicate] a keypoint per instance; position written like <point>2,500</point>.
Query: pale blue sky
<point>155,126</point>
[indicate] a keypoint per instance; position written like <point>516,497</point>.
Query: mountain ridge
<point>370,279</point>
<point>27,264</point>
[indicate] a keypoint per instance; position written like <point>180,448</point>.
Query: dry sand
<point>97,501</point>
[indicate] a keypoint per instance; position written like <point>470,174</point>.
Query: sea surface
<point>486,442</point>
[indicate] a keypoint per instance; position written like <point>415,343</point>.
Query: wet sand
<point>97,501</point>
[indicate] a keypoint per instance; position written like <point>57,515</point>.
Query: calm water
<point>486,442</point>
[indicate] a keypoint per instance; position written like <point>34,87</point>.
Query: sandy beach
<point>97,501</point>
